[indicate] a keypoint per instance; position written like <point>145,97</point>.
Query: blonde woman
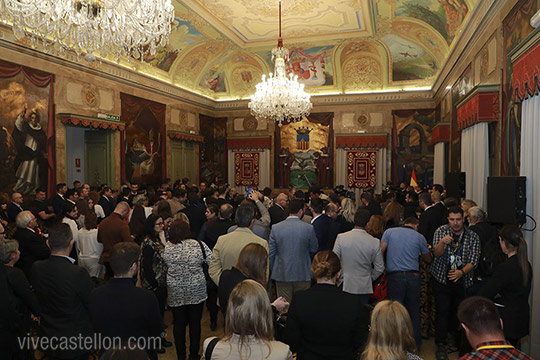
<point>391,335</point>
<point>346,215</point>
<point>249,328</point>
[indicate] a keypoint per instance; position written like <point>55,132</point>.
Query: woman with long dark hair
<point>510,285</point>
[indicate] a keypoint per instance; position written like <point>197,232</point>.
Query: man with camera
<point>457,251</point>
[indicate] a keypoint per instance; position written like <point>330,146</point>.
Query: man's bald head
<point>281,199</point>
<point>122,209</point>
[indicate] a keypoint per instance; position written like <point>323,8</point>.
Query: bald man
<point>113,230</point>
<point>277,212</point>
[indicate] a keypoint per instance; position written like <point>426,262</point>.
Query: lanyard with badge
<point>456,261</point>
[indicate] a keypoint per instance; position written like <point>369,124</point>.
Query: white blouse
<point>186,284</point>
<point>88,244</point>
<point>74,230</point>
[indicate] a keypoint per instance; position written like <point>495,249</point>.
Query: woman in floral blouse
<point>186,286</point>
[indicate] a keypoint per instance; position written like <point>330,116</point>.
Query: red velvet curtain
<point>40,79</point>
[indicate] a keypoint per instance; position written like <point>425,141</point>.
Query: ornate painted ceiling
<point>220,48</point>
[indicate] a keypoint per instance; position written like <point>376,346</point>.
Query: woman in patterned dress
<point>186,286</point>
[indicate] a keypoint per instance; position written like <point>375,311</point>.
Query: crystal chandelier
<point>104,27</point>
<point>280,97</point>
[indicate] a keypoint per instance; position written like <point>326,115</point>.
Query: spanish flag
<point>413,179</point>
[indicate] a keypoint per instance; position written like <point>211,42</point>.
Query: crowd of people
<point>308,273</point>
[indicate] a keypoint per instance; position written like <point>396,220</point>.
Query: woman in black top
<point>325,323</point>
<point>252,264</point>
<point>510,285</point>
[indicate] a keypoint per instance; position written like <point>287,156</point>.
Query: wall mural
<point>516,28</point>
<point>144,157</point>
<point>305,156</point>
<point>26,134</point>
<point>411,148</point>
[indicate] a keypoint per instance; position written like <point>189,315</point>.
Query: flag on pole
<point>413,179</point>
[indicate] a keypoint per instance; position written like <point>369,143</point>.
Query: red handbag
<point>380,292</point>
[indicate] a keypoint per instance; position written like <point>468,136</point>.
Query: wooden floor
<point>427,353</point>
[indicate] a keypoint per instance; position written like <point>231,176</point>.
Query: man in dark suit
<point>106,201</point>
<point>322,224</point>
<point>195,213</point>
<point>15,207</point>
<point>119,309</point>
<point>277,211</point>
<point>63,291</point>
<point>60,198</point>
<point>430,219</point>
<point>369,204</point>
<point>31,245</point>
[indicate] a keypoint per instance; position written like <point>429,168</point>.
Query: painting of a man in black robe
<point>30,163</point>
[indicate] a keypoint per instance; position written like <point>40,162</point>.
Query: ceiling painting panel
<point>409,61</point>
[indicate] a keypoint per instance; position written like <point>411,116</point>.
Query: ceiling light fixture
<point>280,97</point>
<point>95,27</point>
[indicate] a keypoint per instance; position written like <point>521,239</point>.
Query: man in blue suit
<point>322,224</point>
<point>291,247</point>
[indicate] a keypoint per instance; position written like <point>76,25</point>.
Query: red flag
<point>413,179</point>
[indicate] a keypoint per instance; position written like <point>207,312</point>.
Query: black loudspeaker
<point>506,199</point>
<point>455,185</point>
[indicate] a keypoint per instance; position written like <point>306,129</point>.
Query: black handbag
<point>205,266</point>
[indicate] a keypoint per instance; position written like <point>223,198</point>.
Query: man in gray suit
<point>291,247</point>
<point>360,256</point>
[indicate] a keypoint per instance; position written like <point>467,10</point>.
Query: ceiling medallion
<point>280,97</point>
<point>92,27</point>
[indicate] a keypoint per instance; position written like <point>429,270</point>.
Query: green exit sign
<point>111,117</point>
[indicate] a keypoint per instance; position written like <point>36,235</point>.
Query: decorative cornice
<point>358,141</point>
<point>178,135</point>
<point>479,106</point>
<point>249,143</point>
<point>90,122</point>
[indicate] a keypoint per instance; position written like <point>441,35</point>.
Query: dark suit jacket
<point>215,229</point>
<point>58,203</point>
<point>325,231</point>
<point>430,220</point>
<point>326,323</point>
<point>63,291</point>
<point>121,309</point>
<point>106,204</point>
<point>32,248</point>
<point>196,218</point>
<point>277,214</point>
<point>506,287</point>
<point>228,280</point>
<point>373,207</point>
<point>13,210</point>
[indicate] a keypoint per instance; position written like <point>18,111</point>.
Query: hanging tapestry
<point>361,168</point>
<point>246,168</point>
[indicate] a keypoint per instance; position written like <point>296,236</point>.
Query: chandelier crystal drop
<point>278,96</point>
<point>95,27</point>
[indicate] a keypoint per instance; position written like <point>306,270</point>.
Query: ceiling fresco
<point>221,48</point>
